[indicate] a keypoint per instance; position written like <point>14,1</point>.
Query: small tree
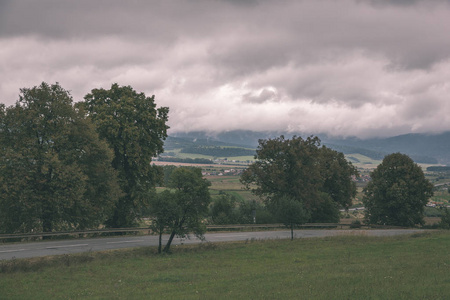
<point>290,212</point>
<point>165,211</point>
<point>182,209</point>
<point>397,193</point>
<point>445,220</point>
<point>223,209</point>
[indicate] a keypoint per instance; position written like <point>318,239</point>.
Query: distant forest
<point>422,148</point>
<point>438,169</point>
<point>218,151</point>
<point>185,160</point>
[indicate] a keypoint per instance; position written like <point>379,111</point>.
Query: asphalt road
<point>37,249</point>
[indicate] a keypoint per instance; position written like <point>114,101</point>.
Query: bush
<point>356,224</point>
<point>223,210</point>
<point>445,220</point>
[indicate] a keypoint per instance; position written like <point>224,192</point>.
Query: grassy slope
<point>358,267</point>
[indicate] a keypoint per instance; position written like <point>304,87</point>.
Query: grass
<point>231,185</point>
<point>363,161</point>
<point>344,267</point>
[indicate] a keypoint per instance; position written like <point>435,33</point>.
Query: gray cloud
<point>350,67</point>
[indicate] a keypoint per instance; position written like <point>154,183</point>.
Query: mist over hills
<point>422,148</point>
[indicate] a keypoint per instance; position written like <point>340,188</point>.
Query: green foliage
<point>164,209</point>
<point>444,169</point>
<point>317,177</point>
<point>290,212</point>
<point>445,220</point>
<point>250,212</point>
<point>182,209</point>
<point>325,210</point>
<point>218,151</point>
<point>55,173</point>
<point>185,160</point>
<point>397,193</point>
<point>223,210</point>
<point>167,170</point>
<point>336,173</point>
<point>356,224</point>
<point>134,129</point>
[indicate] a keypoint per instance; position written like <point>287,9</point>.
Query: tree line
<point>218,151</point>
<point>185,160</point>
<point>67,166</point>
<point>74,166</point>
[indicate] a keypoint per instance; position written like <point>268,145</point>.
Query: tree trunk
<point>160,242</point>
<point>167,247</point>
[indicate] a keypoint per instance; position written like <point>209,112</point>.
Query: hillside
<point>423,148</point>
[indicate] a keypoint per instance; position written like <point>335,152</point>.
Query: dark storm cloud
<point>298,65</point>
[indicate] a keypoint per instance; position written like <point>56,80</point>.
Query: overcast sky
<point>350,67</point>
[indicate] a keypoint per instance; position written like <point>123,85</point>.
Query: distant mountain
<point>422,148</point>
<point>241,138</point>
<point>177,142</point>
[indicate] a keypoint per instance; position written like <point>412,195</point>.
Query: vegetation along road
<point>36,249</point>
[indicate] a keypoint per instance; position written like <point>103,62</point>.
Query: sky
<point>365,68</point>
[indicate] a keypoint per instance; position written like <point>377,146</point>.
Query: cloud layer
<point>350,67</point>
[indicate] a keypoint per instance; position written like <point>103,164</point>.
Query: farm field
<point>231,184</point>
<point>343,267</point>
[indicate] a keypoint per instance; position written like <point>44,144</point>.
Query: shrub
<point>356,224</point>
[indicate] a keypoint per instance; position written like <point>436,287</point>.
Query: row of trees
<point>301,181</point>
<point>66,166</point>
<point>218,151</point>
<point>74,166</point>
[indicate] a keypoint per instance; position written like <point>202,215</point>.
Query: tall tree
<point>301,169</point>
<point>182,209</point>
<point>55,173</point>
<point>397,193</point>
<point>135,129</point>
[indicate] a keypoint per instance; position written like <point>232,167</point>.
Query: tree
<point>444,223</point>
<point>223,209</point>
<point>397,193</point>
<point>336,172</point>
<point>164,211</point>
<point>301,169</point>
<point>182,209</point>
<point>135,130</point>
<point>55,173</point>
<point>291,212</point>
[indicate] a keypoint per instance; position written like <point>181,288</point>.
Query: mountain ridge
<point>422,148</point>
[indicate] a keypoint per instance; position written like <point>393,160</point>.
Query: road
<point>37,249</point>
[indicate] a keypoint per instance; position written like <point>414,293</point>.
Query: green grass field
<point>343,267</point>
<point>230,185</point>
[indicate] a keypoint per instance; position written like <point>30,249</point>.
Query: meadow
<point>343,267</point>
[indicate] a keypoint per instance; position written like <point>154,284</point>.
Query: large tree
<point>397,193</point>
<point>55,172</point>
<point>135,129</point>
<point>302,169</point>
<point>182,209</point>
